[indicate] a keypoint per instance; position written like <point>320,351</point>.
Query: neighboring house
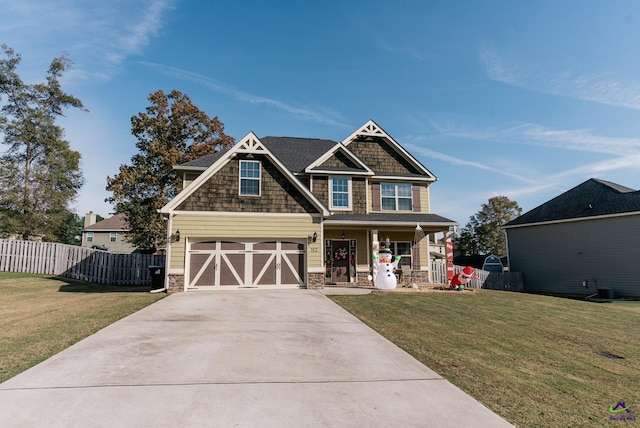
<point>438,247</point>
<point>283,212</point>
<point>586,239</point>
<point>108,234</point>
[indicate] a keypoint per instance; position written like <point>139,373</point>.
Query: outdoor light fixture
<point>313,238</point>
<point>343,235</point>
<point>175,237</point>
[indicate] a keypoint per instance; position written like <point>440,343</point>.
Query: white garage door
<point>259,264</point>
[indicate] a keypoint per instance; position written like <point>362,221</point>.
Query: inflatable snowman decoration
<point>385,279</point>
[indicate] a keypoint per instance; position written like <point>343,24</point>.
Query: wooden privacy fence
<point>507,281</point>
<point>80,263</point>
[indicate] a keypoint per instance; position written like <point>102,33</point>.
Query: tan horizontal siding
<point>244,227</point>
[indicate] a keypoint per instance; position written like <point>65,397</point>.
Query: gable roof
<point>358,168</point>
<point>249,144</point>
<point>306,155</point>
<point>593,198</point>
<point>117,223</point>
<point>372,130</point>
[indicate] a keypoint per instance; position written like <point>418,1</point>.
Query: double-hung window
<point>249,178</point>
<point>113,236</point>
<point>402,249</point>
<point>340,193</point>
<point>396,197</point>
<point>89,236</point>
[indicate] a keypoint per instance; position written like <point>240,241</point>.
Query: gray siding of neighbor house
<point>557,258</point>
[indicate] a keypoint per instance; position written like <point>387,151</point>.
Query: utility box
<point>605,293</point>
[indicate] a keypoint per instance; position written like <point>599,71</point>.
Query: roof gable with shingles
<point>116,223</point>
<point>249,145</point>
<point>593,198</point>
<point>384,155</point>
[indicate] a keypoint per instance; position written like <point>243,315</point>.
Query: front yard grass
<point>532,359</point>
<point>41,315</point>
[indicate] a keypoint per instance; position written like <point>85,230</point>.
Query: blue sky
<point>521,99</point>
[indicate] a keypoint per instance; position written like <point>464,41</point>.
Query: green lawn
<point>42,315</point>
<point>532,359</point>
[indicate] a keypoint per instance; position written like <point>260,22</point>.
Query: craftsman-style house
<point>282,212</point>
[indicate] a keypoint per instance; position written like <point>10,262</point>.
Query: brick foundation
<point>176,283</point>
<point>315,280</point>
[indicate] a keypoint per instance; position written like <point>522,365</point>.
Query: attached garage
<point>227,264</point>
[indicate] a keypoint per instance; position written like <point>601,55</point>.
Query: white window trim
<point>396,197</point>
<point>240,178</point>
<point>113,236</point>
<point>403,256</point>
<point>349,206</point>
<point>89,236</point>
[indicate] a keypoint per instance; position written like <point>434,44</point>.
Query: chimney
<point>89,219</point>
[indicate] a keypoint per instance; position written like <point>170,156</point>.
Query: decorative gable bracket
<point>249,144</point>
<point>371,129</point>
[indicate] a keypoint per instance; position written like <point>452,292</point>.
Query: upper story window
<point>89,236</point>
<point>396,197</point>
<point>249,178</point>
<point>113,236</point>
<point>340,193</point>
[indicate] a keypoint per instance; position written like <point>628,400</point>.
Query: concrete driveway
<point>248,358</point>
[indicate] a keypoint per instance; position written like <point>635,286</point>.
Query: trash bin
<point>157,277</point>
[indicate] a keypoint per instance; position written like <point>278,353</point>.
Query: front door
<point>340,254</point>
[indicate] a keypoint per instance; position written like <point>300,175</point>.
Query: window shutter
<point>416,198</point>
<point>375,198</point>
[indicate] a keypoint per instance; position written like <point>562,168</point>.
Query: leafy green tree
<point>39,174</point>
<point>171,131</point>
<point>482,235</point>
<point>70,230</point>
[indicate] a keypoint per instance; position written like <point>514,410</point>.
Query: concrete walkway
<point>248,358</point>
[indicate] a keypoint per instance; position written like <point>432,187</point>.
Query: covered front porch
<point>349,242</point>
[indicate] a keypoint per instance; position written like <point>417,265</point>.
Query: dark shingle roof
<point>592,198</point>
<point>205,161</point>
<point>297,153</point>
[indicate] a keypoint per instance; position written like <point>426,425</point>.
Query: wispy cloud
<point>315,114</point>
<point>457,161</point>
<point>603,88</point>
<point>409,51</point>
<point>97,35</point>
<point>567,178</point>
<point>532,134</point>
<point>618,154</point>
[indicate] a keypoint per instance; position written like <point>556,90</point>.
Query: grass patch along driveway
<point>532,359</point>
<point>42,315</point>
